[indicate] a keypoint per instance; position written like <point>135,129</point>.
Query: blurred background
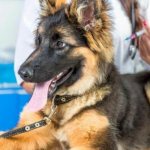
<point>11,94</point>
<point>10,14</point>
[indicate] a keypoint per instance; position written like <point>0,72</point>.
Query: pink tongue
<point>39,97</point>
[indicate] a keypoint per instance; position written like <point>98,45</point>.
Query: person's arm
<point>25,41</point>
<point>29,87</point>
<point>145,48</point>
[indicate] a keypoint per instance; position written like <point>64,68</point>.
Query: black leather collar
<point>24,129</point>
<point>59,100</point>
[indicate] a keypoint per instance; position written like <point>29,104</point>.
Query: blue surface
<point>12,98</point>
<point>7,73</point>
<point>10,108</point>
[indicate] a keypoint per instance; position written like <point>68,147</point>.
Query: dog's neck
<point>90,98</point>
<point>65,112</point>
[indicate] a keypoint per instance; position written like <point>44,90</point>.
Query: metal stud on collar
<point>37,125</point>
<point>27,128</point>
<point>63,99</point>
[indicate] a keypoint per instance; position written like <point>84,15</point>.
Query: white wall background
<point>10,14</point>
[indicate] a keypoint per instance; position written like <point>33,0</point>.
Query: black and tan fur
<point>111,111</point>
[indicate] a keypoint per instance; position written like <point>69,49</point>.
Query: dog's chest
<point>62,137</point>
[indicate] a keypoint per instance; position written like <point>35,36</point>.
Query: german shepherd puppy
<point>106,111</point>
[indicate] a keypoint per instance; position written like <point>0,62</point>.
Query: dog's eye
<point>60,44</point>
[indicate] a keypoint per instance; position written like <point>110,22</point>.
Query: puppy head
<point>72,43</point>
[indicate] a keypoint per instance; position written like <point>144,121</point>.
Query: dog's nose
<point>26,73</point>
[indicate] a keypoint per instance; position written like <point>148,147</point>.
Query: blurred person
<point>131,16</point>
<point>25,42</point>
<point>131,56</point>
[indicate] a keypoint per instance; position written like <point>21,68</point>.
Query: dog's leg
<point>41,138</point>
<point>90,131</point>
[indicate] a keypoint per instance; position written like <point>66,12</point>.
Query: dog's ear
<point>59,3</point>
<point>86,12</point>
<point>49,7</point>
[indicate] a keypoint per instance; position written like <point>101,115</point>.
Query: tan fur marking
<point>41,29</point>
<point>120,146</point>
<point>68,36</point>
<point>49,7</point>
<point>82,131</point>
<point>46,8</point>
<point>90,73</point>
<point>59,3</point>
<point>103,45</point>
<point>89,99</point>
<point>147,89</point>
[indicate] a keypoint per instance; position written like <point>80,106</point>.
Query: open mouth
<point>45,90</point>
<point>63,76</point>
<point>58,80</point>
